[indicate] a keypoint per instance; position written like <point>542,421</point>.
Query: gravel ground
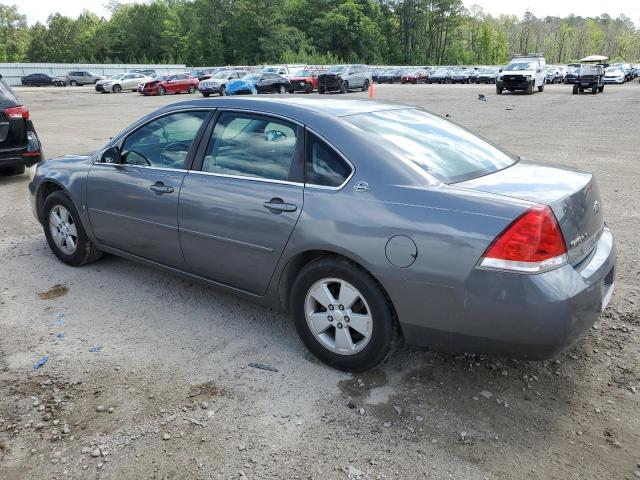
<point>170,393</point>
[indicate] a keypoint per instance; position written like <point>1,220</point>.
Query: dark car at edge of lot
<point>19,143</point>
<point>42,80</point>
<point>590,77</point>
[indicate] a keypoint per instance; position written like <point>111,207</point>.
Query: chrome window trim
<point>243,177</point>
<point>147,167</point>
<point>341,155</point>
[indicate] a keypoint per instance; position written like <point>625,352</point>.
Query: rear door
<point>133,206</point>
<point>237,212</point>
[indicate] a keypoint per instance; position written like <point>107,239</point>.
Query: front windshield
<point>520,66</point>
<point>432,144</point>
<point>222,74</point>
<point>338,69</point>
<point>303,73</point>
<point>614,70</point>
<point>588,70</point>
<point>441,71</point>
<point>270,70</point>
<point>251,77</point>
<point>117,76</point>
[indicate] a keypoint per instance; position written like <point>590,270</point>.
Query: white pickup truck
<point>524,72</point>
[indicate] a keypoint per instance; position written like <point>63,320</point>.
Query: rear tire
<point>192,89</point>
<point>321,90</point>
<point>498,90</point>
<point>73,83</point>
<point>381,332</point>
<point>601,88</point>
<point>85,251</point>
<point>365,86</point>
<point>530,89</point>
<point>541,88</point>
<point>282,89</point>
<point>161,91</point>
<point>206,95</point>
<point>575,89</point>
<point>594,90</point>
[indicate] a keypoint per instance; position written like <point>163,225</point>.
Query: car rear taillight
<point>533,243</point>
<point>15,113</point>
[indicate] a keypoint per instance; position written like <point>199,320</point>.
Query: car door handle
<point>160,188</point>
<point>277,205</point>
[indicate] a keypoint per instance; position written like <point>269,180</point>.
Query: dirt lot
<point>170,394</point>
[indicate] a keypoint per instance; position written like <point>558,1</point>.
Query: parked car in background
<point>42,80</point>
<point>488,75</point>
<point>553,75</point>
<point>415,77</point>
<point>343,78</point>
<point>165,84</point>
<point>82,77</point>
<point>389,75</point>
<point>572,73</point>
<point>441,75</point>
<point>305,80</point>
<point>121,81</point>
<point>283,70</point>
<point>19,143</point>
<point>462,75</point>
<point>218,82</point>
<point>259,83</point>
<point>147,72</point>
<point>358,217</point>
<point>524,73</point>
<point>615,75</point>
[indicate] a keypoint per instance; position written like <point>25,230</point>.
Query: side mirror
<point>111,155</point>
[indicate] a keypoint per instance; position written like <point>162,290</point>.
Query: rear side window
<point>6,92</point>
<point>439,147</point>
<point>254,146</point>
<point>324,166</point>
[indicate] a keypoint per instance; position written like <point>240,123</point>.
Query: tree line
<point>244,32</point>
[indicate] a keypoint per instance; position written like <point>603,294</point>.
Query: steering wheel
<point>178,147</point>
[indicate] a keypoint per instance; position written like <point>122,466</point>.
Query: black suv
<point>19,144</point>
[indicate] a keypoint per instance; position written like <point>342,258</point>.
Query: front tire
<point>116,88</point>
<point>192,89</point>
<point>161,91</point>
<point>575,89</point>
<point>343,315</point>
<point>73,83</point>
<point>541,88</point>
<point>282,89</point>
<point>498,90</point>
<point>344,87</point>
<point>64,232</point>
<point>365,86</point>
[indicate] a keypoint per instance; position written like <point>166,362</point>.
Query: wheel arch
<point>300,260</point>
<point>45,189</point>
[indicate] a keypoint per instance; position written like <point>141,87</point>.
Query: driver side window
<point>164,142</point>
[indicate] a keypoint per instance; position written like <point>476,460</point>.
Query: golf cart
<point>591,74</point>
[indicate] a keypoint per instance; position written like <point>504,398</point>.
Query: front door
<point>236,214</point>
<point>133,205</point>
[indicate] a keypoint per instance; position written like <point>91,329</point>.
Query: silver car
<point>82,77</point>
<point>369,222</point>
<point>121,81</point>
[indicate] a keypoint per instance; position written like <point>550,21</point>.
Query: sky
<point>39,10</point>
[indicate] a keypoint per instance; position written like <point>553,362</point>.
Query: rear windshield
<point>448,152</point>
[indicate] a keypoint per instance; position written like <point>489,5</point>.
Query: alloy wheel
<point>63,230</point>
<point>338,316</point>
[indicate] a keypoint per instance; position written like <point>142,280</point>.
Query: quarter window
<point>164,142</point>
<point>324,166</point>
<point>251,146</point>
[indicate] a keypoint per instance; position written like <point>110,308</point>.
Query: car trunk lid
<point>573,196</point>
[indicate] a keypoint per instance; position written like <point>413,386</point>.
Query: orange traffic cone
<point>371,92</point>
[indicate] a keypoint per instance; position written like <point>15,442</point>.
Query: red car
<point>305,80</point>
<point>163,84</point>
<point>419,76</point>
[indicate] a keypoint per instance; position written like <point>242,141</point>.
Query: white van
<point>524,72</point>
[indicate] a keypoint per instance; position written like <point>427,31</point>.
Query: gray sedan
<point>371,223</point>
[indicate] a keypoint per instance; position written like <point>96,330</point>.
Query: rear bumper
<point>520,316</point>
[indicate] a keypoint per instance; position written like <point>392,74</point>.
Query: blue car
<point>259,83</point>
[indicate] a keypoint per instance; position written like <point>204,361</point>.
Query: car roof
<point>297,108</point>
